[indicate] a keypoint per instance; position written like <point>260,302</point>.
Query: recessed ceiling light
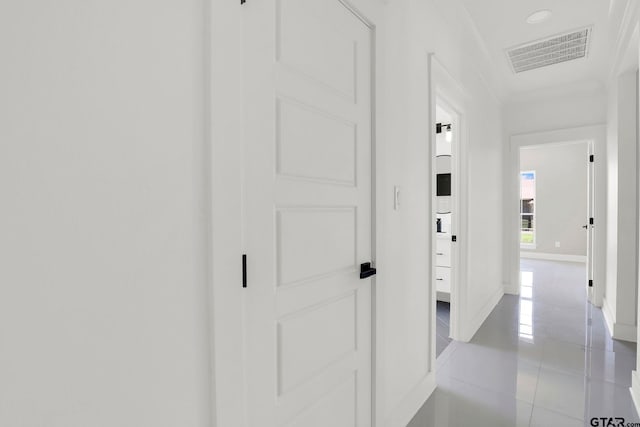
<point>539,16</point>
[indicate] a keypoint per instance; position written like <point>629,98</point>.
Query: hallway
<point>542,358</point>
<point>225,213</point>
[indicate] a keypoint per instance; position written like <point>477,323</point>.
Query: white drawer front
<point>443,279</point>
<point>443,253</point>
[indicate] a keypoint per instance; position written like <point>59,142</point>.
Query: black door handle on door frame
<point>366,270</point>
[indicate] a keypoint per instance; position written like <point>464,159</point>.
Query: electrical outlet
<point>557,244</point>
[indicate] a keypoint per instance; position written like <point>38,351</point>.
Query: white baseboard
<point>608,315</point>
<point>553,257</point>
<point>625,332</point>
<point>619,331</point>
<point>511,289</point>
<point>474,324</point>
<point>412,402</point>
<point>635,389</point>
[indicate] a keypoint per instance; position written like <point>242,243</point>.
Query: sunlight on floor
<point>525,328</point>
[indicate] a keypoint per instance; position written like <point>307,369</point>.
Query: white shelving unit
<point>443,266</point>
<point>443,214</point>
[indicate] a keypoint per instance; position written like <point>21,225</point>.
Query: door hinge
<point>590,283</point>
<point>591,157</point>
<point>244,270</point>
<point>591,221</point>
<point>454,238</point>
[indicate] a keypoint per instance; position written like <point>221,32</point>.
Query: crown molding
<point>490,81</point>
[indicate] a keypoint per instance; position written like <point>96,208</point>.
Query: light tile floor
<point>544,358</point>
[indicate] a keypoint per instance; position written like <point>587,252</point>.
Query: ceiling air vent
<point>549,51</point>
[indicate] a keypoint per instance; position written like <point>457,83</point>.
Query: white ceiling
<point>502,24</point>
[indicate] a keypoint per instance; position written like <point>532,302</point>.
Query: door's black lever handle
<point>585,226</point>
<point>366,270</point>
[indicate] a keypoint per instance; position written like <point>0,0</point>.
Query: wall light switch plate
<point>396,198</point>
<point>557,244</point>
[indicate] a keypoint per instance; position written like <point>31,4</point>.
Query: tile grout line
<point>535,393</point>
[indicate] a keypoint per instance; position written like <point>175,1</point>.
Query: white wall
<point>612,198</point>
<point>560,197</point>
<point>415,28</point>
<point>628,59</point>
<point>627,202</point>
<point>103,277</point>
<point>402,239</point>
<point>621,290</point>
<point>484,222</point>
<point>578,107</point>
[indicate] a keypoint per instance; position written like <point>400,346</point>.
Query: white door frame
<point>377,373</point>
<point>224,208</point>
<point>597,136</point>
<point>448,93</point>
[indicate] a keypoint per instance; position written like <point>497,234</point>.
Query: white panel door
<point>307,214</point>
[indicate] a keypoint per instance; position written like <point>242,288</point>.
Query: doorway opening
<point>556,196</point>
<point>445,217</point>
